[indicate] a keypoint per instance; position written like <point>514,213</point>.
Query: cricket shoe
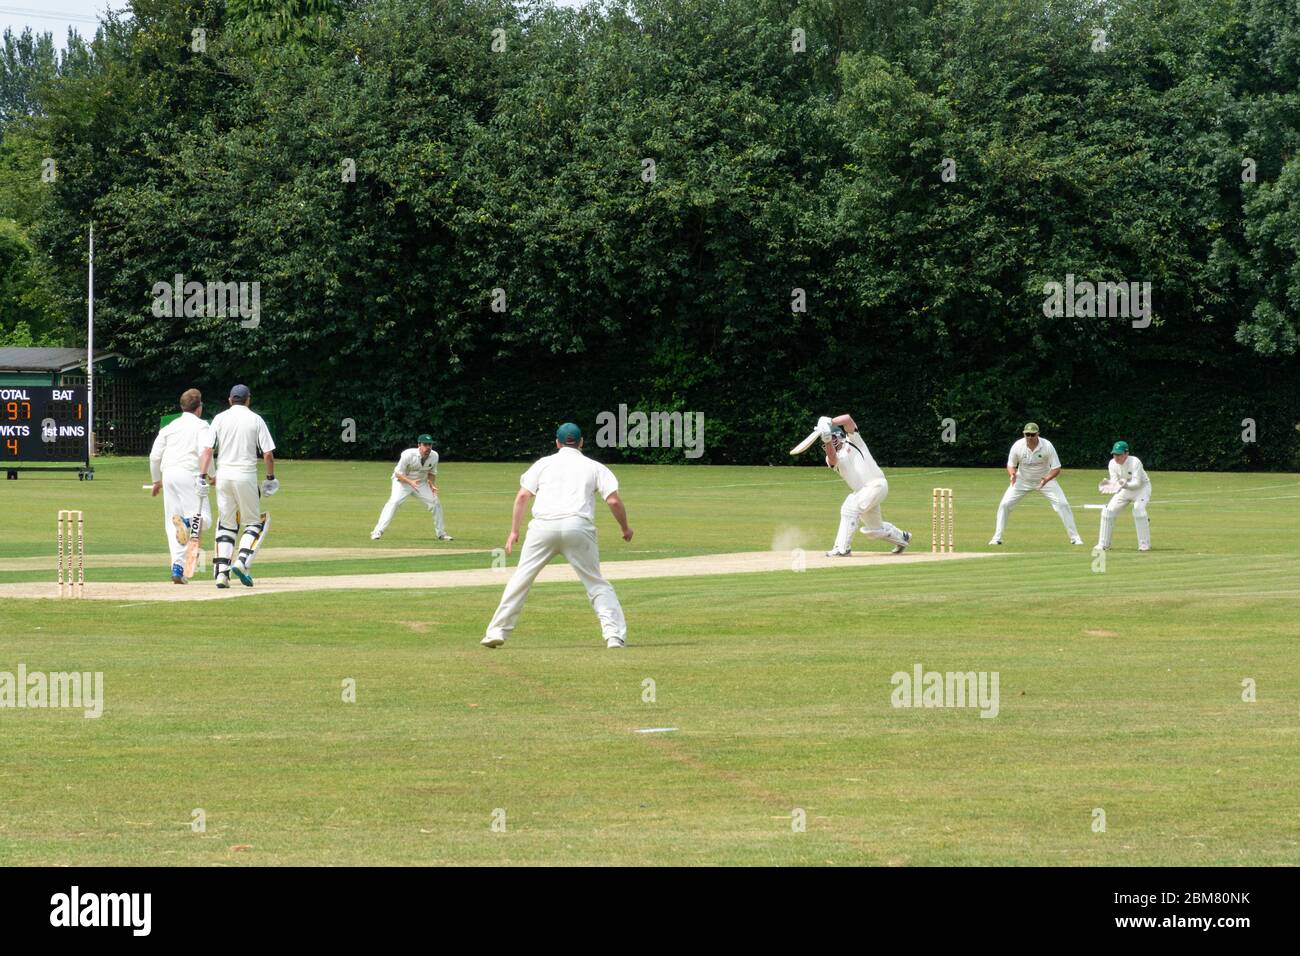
<point>492,642</point>
<point>223,580</point>
<point>240,570</point>
<point>178,574</point>
<point>445,537</point>
<point>613,642</point>
<point>907,539</point>
<point>376,535</point>
<point>1144,547</point>
<point>1076,540</point>
<point>837,553</point>
<point>995,540</point>
<point>182,529</point>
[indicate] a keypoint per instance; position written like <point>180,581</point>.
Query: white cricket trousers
<point>1052,491</point>
<point>238,500</point>
<point>1121,500</point>
<point>863,506</point>
<point>181,497</point>
<point>402,491</point>
<point>575,538</point>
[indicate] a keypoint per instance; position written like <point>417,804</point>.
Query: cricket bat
<point>804,445</point>
<point>192,547</point>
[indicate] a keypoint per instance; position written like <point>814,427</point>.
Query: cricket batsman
<point>847,453</point>
<point>414,475</point>
<point>564,486</point>
<point>1032,465</point>
<point>237,434</point>
<point>174,468</point>
<point>1129,484</point>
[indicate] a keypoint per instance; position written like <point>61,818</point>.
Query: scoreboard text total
<point>42,423</point>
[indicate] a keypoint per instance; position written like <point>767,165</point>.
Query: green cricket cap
<point>1031,429</point>
<point>425,439</point>
<point>568,434</point>
<point>1121,448</point>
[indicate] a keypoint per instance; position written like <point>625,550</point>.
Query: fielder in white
<point>1132,487</point>
<point>1033,465</point>
<point>174,468</point>
<point>237,434</point>
<point>564,485</point>
<point>847,453</point>
<point>414,475</point>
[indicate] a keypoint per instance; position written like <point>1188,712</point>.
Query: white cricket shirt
<point>178,445</point>
<point>410,466</point>
<point>238,433</point>
<point>855,464</point>
<point>1032,465</point>
<point>565,484</point>
<point>1131,473</point>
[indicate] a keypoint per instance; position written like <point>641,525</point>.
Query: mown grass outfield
<point>1120,690</point>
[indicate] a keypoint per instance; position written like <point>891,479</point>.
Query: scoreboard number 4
<point>43,424</point>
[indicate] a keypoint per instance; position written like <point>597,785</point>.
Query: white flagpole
<point>90,353</point>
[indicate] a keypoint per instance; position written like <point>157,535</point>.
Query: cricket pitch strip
<point>202,588</point>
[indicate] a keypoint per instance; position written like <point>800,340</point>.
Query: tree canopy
<point>481,217</point>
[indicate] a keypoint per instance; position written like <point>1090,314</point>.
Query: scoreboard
<point>43,423</point>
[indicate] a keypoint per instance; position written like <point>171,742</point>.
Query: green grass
<point>1119,690</point>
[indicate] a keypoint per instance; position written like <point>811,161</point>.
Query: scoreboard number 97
<point>43,424</point>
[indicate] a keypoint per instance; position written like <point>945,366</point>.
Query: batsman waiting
<point>1130,485</point>
<point>414,475</point>
<point>174,467</point>
<point>1033,465</point>
<point>563,523</point>
<point>847,453</point>
<point>237,434</point>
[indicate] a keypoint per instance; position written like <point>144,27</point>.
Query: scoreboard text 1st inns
<point>42,423</point>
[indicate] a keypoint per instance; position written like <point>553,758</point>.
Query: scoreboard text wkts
<point>44,423</point>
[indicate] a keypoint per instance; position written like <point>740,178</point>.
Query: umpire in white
<point>564,485</point>
<point>238,433</point>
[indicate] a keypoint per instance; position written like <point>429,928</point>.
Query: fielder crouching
<point>1033,465</point>
<point>237,434</point>
<point>416,474</point>
<point>564,485</point>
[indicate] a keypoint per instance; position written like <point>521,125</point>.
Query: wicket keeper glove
<point>270,487</point>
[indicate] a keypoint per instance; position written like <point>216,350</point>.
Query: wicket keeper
<point>1131,487</point>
